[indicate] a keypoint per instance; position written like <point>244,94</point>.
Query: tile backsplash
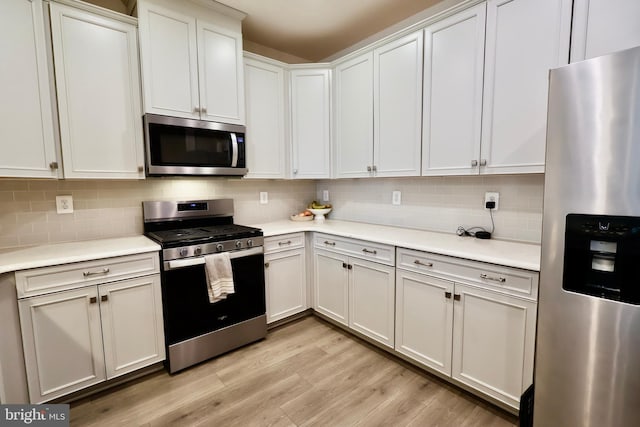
<point>104,208</point>
<point>442,203</point>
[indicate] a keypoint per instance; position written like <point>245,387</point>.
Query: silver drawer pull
<point>367,251</point>
<point>495,279</point>
<point>288,242</point>
<point>326,242</point>
<point>424,264</point>
<point>95,273</point>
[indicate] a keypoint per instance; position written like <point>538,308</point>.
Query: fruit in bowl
<point>319,210</point>
<point>305,215</point>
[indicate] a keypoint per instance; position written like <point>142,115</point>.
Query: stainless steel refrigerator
<point>587,368</point>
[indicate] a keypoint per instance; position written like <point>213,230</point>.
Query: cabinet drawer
<point>46,280</point>
<point>378,252</point>
<point>283,242</point>
<point>508,280</point>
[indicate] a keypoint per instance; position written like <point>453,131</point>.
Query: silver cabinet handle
<point>203,110</point>
<point>266,265</point>
<point>447,295</point>
<point>367,251</point>
<point>93,300</point>
<point>196,109</point>
<point>425,264</point>
<point>344,265</point>
<point>456,297</point>
<point>474,163</point>
<point>104,298</point>
<point>288,242</point>
<point>374,168</point>
<point>140,168</point>
<point>495,279</point>
<point>368,168</point>
<point>53,165</point>
<point>295,171</point>
<point>95,273</point>
<point>483,162</point>
<point>326,242</point>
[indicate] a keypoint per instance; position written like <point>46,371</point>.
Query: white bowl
<point>318,214</point>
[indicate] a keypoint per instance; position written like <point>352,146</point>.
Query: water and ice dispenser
<point>602,256</point>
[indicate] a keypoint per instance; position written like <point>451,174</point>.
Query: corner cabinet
<point>81,326</point>
<point>266,136</point>
<point>98,87</point>
<point>192,63</point>
<point>354,285</point>
<point>524,39</point>
<point>471,321</point>
<point>285,276</point>
<point>310,90</point>
<point>604,26</point>
<point>26,123</point>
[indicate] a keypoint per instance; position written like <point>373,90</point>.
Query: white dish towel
<point>219,276</point>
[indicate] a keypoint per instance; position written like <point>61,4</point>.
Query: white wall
<point>442,203</point>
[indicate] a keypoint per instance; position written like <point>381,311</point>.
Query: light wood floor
<point>307,373</point>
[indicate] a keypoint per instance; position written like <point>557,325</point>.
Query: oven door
<point>187,310</point>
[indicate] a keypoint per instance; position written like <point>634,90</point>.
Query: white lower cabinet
<point>285,276</point>
<point>481,337</point>
<point>357,292</point>
<point>80,337</point>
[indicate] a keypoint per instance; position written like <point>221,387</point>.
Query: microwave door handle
<point>234,150</point>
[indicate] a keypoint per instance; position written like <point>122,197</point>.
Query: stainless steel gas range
<point>195,328</point>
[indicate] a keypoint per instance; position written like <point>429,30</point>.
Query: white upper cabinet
<point>452,108</point>
<point>191,62</point>
<point>310,123</point>
<point>397,116</point>
<point>266,137</point>
<point>354,117</point>
<point>98,86</point>
<point>604,26</point>
<point>524,39</point>
<point>27,145</point>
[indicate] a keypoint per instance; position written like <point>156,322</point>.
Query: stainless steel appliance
<point>587,369</point>
<point>195,329</point>
<point>177,146</point>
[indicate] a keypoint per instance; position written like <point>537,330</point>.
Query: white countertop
<point>64,253</point>
<point>501,252</point>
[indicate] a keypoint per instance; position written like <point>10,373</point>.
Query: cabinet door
<point>286,284</point>
<point>62,343</point>
<point>604,26</point>
<point>493,343</point>
<point>26,123</point>
<point>132,328</point>
<point>331,285</point>
<point>310,131</point>
<point>265,103</point>
<point>525,38</point>
<point>452,112</point>
<point>354,117</point>
<point>169,61</point>
<point>220,74</point>
<point>97,78</point>
<point>398,107</point>
<point>424,319</point>
<point>372,300</point>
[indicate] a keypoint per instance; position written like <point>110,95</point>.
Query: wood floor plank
<point>306,373</point>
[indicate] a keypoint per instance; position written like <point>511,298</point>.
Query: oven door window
<point>180,146</point>
<point>188,312</point>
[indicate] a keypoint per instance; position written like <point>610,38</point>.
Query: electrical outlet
<point>325,195</point>
<point>64,204</point>
<point>396,198</point>
<point>490,196</point>
<point>264,197</point>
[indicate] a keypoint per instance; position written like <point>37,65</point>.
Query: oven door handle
<point>189,262</point>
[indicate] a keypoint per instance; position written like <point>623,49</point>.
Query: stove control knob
<point>249,243</point>
<point>197,251</point>
<point>184,252</point>
<point>219,247</point>
<point>238,244</point>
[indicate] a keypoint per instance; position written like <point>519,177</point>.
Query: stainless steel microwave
<point>177,146</point>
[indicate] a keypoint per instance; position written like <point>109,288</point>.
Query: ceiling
<point>316,29</point>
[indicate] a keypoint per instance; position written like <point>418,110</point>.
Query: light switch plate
<point>396,198</point>
<point>325,195</point>
<point>64,204</point>
<point>264,197</point>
